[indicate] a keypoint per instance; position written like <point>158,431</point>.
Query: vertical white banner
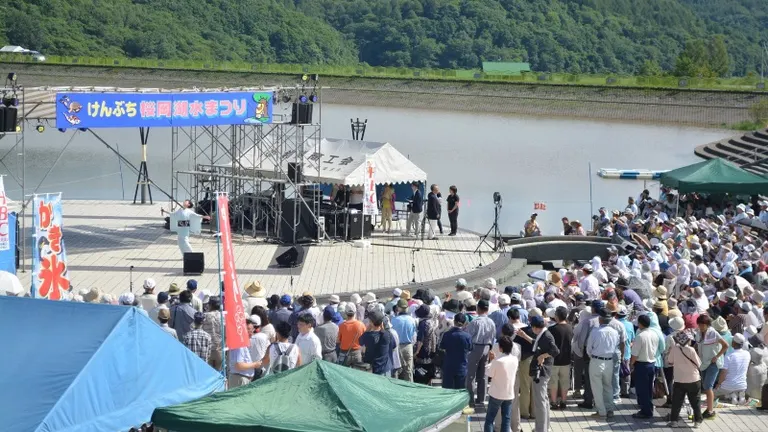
<point>370,206</point>
<point>5,238</point>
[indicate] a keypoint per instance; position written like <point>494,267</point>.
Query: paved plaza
<point>105,238</point>
<point>729,418</point>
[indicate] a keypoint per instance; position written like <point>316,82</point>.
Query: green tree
<point>719,62</point>
<point>649,68</point>
<point>694,60</point>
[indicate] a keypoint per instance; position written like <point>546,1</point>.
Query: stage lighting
<point>313,98</point>
<point>305,77</point>
<point>18,128</point>
<point>40,128</point>
<point>12,77</point>
<point>496,197</point>
<point>303,99</point>
<point>315,77</point>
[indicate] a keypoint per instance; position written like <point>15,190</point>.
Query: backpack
<point>283,361</point>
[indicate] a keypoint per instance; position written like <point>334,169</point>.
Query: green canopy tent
<point>715,176</point>
<point>318,397</point>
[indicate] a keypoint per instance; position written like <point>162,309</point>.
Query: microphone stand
<point>130,271</point>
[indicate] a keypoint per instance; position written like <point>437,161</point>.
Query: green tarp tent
<point>318,397</point>
<point>715,176</point>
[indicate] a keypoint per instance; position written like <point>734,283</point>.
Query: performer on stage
<point>185,221</point>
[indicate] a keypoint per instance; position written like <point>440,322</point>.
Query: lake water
<point>527,160</point>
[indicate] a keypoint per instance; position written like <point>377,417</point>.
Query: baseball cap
<point>739,338</point>
<point>285,300</point>
<point>504,299</point>
<point>397,292</point>
<point>537,321</point>
<point>350,309</point>
<point>191,284</point>
<point>695,284</point>
<point>253,319</point>
<point>162,297</point>
<point>199,317</point>
<point>461,282</point>
<point>516,297</point>
<point>149,284</point>
<point>402,304</point>
<point>483,304</point>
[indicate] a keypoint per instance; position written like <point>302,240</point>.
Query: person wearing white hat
<point>148,300</point>
<point>589,284</point>
<point>490,283</point>
<point>732,380</point>
<point>396,293</point>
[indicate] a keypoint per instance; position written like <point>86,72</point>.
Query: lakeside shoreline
<point>713,109</point>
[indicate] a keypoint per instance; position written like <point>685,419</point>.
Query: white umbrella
<point>741,282</point>
<point>541,275</point>
<point>10,284</point>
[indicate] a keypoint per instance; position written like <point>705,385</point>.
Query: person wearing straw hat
<point>93,296</point>
<point>255,295</point>
<point>173,294</point>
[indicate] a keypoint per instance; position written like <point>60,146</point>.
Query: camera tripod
<point>498,242</point>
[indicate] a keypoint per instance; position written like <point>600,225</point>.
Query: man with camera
<point>544,352</point>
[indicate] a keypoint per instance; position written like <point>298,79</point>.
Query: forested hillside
<point>578,36</point>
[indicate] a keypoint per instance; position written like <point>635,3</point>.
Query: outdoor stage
<point>104,238</point>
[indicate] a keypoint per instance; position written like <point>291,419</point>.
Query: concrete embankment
<point>668,106</point>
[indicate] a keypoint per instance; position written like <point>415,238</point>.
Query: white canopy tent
<point>342,161</point>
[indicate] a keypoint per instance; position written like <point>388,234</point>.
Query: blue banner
<point>8,256</point>
<point>120,110</point>
<point>50,276</point>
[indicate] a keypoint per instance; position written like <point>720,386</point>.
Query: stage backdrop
<point>50,277</point>
<point>120,110</point>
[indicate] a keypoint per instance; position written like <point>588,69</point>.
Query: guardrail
<point>751,83</point>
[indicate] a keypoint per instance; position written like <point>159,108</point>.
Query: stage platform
<point>105,238</point>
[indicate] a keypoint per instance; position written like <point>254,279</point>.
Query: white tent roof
<point>343,162</point>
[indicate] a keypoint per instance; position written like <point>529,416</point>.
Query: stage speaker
<point>302,222</point>
<point>301,113</point>
<point>10,114</point>
<point>294,172</point>
<point>293,257</point>
<point>194,263</point>
<point>356,228</point>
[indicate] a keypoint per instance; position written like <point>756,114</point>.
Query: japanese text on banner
<point>5,238</point>
<point>50,277</point>
<point>236,331</point>
<point>370,203</point>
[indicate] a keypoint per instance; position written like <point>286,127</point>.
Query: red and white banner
<point>370,206</point>
<point>236,331</point>
<point>540,206</point>
<point>5,238</point>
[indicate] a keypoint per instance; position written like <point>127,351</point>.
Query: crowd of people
<point>678,316</point>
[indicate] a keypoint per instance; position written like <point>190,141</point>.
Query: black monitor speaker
<point>301,113</point>
<point>294,172</point>
<point>303,222</point>
<point>194,263</point>
<point>293,257</point>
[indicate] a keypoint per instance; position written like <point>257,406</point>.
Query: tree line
<point>682,37</point>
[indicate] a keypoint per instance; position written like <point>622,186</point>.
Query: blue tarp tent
<point>90,367</point>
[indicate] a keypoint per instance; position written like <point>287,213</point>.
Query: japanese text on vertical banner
<point>5,238</point>
<point>236,332</point>
<point>50,277</point>
<point>370,203</point>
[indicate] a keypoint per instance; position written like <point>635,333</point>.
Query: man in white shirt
<point>601,349</point>
<point>309,344</point>
<point>162,303</point>
<point>589,285</point>
<point>259,343</point>
<point>643,363</point>
<point>501,393</point>
<point>733,376</point>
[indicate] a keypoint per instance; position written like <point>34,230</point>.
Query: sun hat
<point>677,323</point>
<point>254,289</point>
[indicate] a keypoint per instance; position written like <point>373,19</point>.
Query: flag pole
<point>224,355</point>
